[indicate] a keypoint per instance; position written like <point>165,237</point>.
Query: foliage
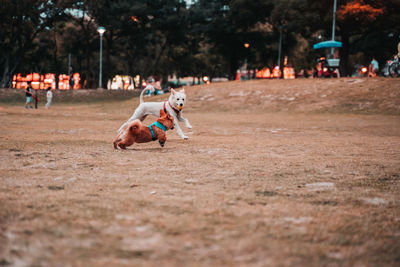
<point>170,37</point>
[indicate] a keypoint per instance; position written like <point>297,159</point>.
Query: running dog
<point>136,132</point>
<point>173,106</point>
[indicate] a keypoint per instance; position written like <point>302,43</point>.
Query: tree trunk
<point>88,74</point>
<point>8,72</point>
<point>344,55</point>
<point>233,66</point>
<point>163,47</point>
<point>5,78</point>
<point>56,65</point>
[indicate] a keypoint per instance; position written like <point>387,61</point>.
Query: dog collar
<point>159,125</point>
<point>174,109</point>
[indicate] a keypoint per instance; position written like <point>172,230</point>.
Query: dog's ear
<point>183,90</point>
<point>173,92</point>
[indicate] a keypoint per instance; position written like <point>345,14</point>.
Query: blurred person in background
<point>398,50</point>
<point>28,95</point>
<point>373,68</point>
<point>49,96</point>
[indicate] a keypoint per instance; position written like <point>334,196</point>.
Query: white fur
<point>176,99</point>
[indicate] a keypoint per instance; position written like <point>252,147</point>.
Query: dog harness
<point>159,125</point>
<point>174,109</point>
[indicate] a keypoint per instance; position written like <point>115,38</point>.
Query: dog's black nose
<point>180,104</point>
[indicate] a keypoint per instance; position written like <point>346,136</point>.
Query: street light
<point>101,31</point>
<point>333,23</point>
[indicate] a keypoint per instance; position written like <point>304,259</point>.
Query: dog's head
<point>166,119</point>
<point>177,99</point>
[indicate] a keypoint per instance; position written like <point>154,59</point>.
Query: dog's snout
<point>181,104</point>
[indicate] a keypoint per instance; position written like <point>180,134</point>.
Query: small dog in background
<point>136,132</point>
<point>173,105</point>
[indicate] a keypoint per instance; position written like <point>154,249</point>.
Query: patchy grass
<point>264,180</point>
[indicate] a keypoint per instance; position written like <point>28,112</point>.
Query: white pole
<point>333,24</point>
<point>101,61</point>
<point>101,31</point>
<point>280,48</point>
<point>334,20</point>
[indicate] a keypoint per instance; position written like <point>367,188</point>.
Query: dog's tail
<point>134,126</point>
<point>148,87</point>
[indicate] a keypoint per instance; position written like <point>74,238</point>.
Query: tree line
<point>203,37</point>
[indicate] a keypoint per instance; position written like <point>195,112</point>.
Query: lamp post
<point>101,31</point>
<point>333,24</point>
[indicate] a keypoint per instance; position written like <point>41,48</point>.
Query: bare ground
<point>275,173</point>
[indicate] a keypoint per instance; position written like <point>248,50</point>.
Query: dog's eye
<point>177,99</point>
<point>183,99</point>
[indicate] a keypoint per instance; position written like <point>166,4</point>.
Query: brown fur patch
<point>136,132</point>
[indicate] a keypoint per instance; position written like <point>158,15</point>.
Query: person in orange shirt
<point>373,68</point>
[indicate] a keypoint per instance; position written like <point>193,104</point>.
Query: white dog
<point>173,105</point>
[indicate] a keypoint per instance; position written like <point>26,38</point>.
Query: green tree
<point>22,23</point>
<point>228,25</point>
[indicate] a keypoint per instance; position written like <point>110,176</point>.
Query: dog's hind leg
<point>122,127</point>
<point>138,114</point>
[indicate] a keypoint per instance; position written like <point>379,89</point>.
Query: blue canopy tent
<point>331,62</point>
<point>327,44</point>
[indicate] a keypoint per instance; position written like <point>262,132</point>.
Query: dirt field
<point>275,173</point>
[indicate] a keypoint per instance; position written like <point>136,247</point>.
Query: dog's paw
<point>185,137</point>
<point>189,126</point>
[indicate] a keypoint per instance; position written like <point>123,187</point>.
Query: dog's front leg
<point>117,140</point>
<point>179,131</point>
<point>186,121</point>
<point>115,143</point>
<point>138,114</point>
<point>122,145</point>
<point>187,124</point>
<point>162,139</point>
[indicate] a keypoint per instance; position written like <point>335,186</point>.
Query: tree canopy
<point>206,37</point>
